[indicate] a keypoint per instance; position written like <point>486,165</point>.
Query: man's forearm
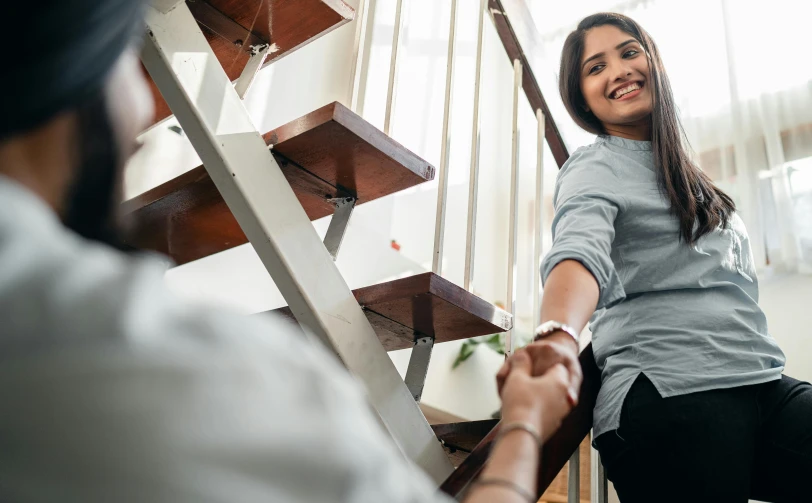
<point>514,459</point>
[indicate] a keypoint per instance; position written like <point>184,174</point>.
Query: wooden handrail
<point>556,451</point>
<point>522,41</point>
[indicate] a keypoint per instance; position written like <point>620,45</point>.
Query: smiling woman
<point>613,82</point>
<point>613,79</point>
<point>693,404</point>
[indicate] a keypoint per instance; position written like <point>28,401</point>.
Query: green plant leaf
<point>466,350</point>
<point>496,342</point>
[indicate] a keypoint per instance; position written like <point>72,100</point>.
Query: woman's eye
<point>595,69</point>
<point>630,53</point>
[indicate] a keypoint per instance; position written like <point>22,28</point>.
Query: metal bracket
<point>258,55</point>
<point>338,224</point>
<point>419,366</point>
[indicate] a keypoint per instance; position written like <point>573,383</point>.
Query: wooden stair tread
<point>187,219</point>
<point>459,439</point>
<point>233,26</point>
<point>428,304</point>
<point>340,147</point>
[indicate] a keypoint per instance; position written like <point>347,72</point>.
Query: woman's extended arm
<point>570,297</point>
<point>535,383</point>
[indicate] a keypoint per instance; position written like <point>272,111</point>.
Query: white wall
<point>787,301</point>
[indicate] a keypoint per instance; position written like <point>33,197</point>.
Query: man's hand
<point>556,348</point>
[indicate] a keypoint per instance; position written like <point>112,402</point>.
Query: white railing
<point>366,24</point>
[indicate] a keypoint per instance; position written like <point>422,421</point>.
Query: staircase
<point>265,188</point>
<point>234,27</point>
<point>329,156</point>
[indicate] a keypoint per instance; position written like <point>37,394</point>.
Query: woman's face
<point>615,82</point>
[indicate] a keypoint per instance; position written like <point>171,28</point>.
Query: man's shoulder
<point>74,291</point>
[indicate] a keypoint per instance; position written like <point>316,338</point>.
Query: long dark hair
<point>695,200</point>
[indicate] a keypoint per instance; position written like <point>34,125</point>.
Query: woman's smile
<point>627,91</point>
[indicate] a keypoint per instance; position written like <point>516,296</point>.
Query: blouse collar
<point>626,143</point>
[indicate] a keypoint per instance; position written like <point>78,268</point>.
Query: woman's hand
<point>558,348</point>
<point>538,399</point>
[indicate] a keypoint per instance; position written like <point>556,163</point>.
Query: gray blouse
<point>687,317</point>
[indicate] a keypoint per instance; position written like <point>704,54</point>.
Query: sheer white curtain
<point>743,84</point>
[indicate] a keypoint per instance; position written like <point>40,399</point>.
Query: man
<point>114,390</point>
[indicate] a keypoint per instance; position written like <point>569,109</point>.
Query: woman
<point>693,405</point>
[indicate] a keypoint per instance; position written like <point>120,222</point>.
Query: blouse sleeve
<point>587,201</point>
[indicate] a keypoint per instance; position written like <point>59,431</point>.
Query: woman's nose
<point>621,71</point>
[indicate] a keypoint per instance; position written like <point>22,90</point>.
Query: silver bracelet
<point>551,326</point>
<point>504,429</point>
<point>491,481</point>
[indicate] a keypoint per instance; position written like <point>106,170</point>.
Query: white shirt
<point>112,389</point>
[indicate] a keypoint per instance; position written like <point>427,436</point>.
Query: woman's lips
<point>631,95</point>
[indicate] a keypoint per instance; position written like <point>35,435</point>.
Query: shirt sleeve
<point>121,392</point>
<point>587,201</point>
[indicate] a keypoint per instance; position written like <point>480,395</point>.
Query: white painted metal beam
<point>365,21</point>
<point>473,179</point>
<point>538,223</point>
<point>513,225</point>
<point>445,148</point>
<point>391,90</point>
<point>237,159</point>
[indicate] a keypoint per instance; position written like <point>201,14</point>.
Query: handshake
<point>539,384</point>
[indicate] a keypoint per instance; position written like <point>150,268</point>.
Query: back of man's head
<point>60,64</point>
<point>57,54</point>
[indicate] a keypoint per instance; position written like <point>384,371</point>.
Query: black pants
<point>715,446</point>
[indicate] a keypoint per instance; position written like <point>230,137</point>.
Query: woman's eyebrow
<point>602,54</point>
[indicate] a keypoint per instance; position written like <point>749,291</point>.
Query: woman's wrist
<point>564,337</point>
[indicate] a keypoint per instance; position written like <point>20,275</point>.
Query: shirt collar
<point>21,208</point>
<point>626,143</point>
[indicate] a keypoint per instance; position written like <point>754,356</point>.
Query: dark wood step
<point>427,304</point>
<point>459,439</point>
<point>233,26</point>
<point>329,153</point>
<point>556,451</point>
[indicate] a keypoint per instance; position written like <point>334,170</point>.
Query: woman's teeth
<point>626,90</point>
